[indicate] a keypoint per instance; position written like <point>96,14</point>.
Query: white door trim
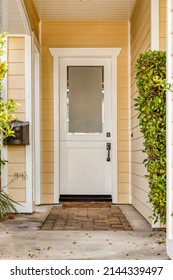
<point>58,53</point>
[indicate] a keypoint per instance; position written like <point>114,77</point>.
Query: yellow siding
<point>140,42</point>
<point>16,90</point>
<point>163,25</point>
<point>33,17</point>
<point>80,35</point>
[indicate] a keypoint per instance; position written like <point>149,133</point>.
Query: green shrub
<point>151,104</point>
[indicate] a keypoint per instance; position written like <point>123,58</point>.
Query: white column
<point>169,132</point>
<point>155,24</point>
<point>28,116</point>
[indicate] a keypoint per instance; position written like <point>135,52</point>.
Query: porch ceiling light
<point>85,0</point>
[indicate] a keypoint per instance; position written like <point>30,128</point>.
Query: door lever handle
<point>108,148</point>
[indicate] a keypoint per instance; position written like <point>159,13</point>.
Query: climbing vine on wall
<point>151,103</point>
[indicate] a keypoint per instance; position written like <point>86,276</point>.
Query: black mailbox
<point>21,133</point>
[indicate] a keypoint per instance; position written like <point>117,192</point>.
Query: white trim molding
<point>169,132</point>
<point>24,16</point>
<point>155,23</point>
<point>59,53</point>
<point>28,117</point>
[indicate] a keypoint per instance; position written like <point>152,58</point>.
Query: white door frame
<point>57,54</point>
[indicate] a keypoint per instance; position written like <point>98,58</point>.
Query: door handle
<point>108,148</point>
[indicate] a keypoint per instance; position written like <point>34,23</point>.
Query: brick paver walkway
<point>86,216</point>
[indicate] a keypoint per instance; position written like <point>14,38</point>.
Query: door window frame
<point>58,53</point>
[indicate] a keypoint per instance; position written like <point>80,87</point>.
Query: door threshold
<point>86,198</point>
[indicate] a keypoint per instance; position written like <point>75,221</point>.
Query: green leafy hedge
<point>151,104</point>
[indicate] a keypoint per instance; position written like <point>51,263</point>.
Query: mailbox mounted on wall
<point>21,133</point>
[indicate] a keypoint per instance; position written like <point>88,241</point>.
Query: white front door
<point>85,126</point>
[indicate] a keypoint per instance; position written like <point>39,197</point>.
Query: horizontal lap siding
<point>16,90</point>
<point>140,42</point>
<point>88,35</point>
<point>47,126</point>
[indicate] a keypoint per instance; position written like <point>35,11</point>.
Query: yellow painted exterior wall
<point>140,42</point>
<point>162,26</point>
<point>80,35</point>
<point>33,17</point>
<point>16,90</point>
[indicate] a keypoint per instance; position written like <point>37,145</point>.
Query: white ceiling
<point>65,10</point>
<point>90,11</point>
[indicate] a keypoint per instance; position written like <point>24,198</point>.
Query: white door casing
<point>84,169</point>
<point>110,54</point>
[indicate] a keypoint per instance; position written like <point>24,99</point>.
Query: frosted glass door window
<point>85,99</point>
